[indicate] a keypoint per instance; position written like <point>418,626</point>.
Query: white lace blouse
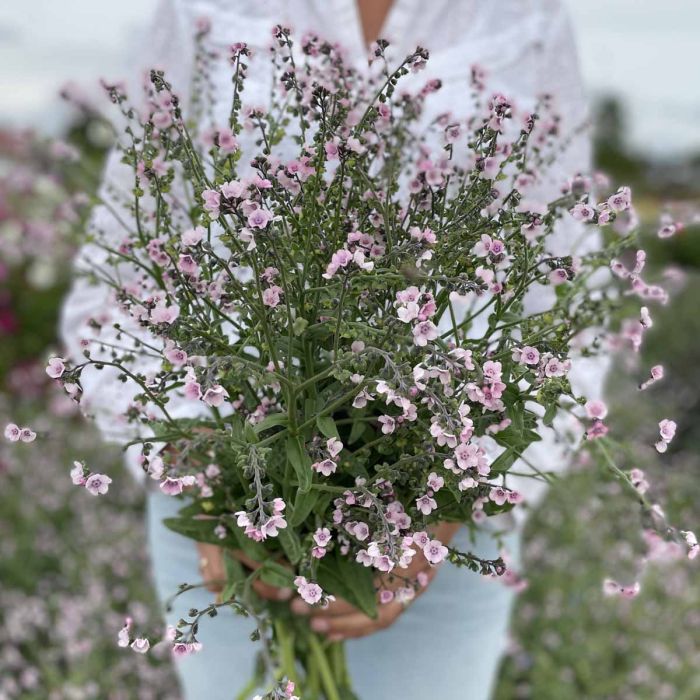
<point>525,46</point>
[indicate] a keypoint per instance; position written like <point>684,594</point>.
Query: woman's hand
<point>213,572</point>
<point>341,620</point>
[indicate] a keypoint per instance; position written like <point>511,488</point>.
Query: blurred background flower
<point>69,568</point>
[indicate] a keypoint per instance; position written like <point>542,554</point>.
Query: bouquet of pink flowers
<point>347,319</point>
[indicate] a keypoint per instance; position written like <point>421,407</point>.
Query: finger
<point>246,560</point>
<point>268,592</point>
<point>335,607</point>
<point>211,566</point>
<point>357,624</point>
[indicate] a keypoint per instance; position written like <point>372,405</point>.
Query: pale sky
<point>645,51</point>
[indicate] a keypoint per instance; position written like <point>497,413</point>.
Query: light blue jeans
<point>446,645</point>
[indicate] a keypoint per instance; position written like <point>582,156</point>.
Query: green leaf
<point>303,505</point>
<point>301,463</point>
<point>276,575</point>
<point>290,544</point>
<point>198,529</point>
<point>347,579</point>
<point>505,460</point>
<point>327,427</point>
<point>550,414</point>
<point>271,421</point>
<point>358,430</point>
<point>510,437</point>
<point>235,577</point>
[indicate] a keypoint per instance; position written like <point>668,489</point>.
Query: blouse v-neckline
<point>346,17</point>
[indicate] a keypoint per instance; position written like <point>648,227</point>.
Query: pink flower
<point>334,447</point>
<point>227,141</point>
<point>271,296</point>
<point>596,409</point>
<point>193,390</point>
<point>12,432</point>
<point>667,430</point>
<point>98,484</point>
<point>176,356</point>
<point>234,189</point>
<point>435,552</point>
<point>583,212</point>
<point>597,430</point>
<point>55,367</point>
<point>331,149</point>
<point>388,424</point>
<point>426,504</point>
<point>621,200</point>
<point>27,435</point>
<point>77,474</point>
<point>172,486</point>
<point>611,588</point>
<point>558,276</point>
<point>498,495</point>
<point>424,332</point>
<point>259,218</point>
<point>527,355</point>
<point>310,592</point>
<point>212,202</point>
<point>325,467</point>
<point>655,374</point>
<point>123,636</point>
<point>140,645</point>
<point>322,536</point>
<point>215,396</point>
<point>182,649</point>
<point>193,236</point>
<point>188,266</point>
<point>435,482</point>
<point>164,314</point>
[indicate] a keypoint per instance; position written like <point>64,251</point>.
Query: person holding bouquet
<point>446,641</point>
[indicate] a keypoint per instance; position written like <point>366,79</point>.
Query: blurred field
<point>72,568</point>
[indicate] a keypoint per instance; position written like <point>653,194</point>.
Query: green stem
<point>324,669</point>
<point>285,640</point>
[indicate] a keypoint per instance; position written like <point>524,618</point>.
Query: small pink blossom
<point>322,536</point>
<point>123,635</point>
<point>12,432</point>
<point>527,355</point>
<point>435,552</point>
<point>310,592</point>
<point>140,645</point>
<point>55,367</point>
<point>193,236</point>
<point>435,482</point>
<point>77,474</point>
<point>215,396</point>
<point>612,588</point>
<point>596,409</point>
<point>164,314</point>
<point>388,424</point>
<point>424,332</point>
<point>98,484</point>
<point>174,486</point>
<point>325,467</point>
<point>212,203</point>
<point>259,218</point>
<point>426,504</point>
<point>272,296</point>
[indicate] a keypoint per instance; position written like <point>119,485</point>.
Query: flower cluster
<point>346,322</point>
